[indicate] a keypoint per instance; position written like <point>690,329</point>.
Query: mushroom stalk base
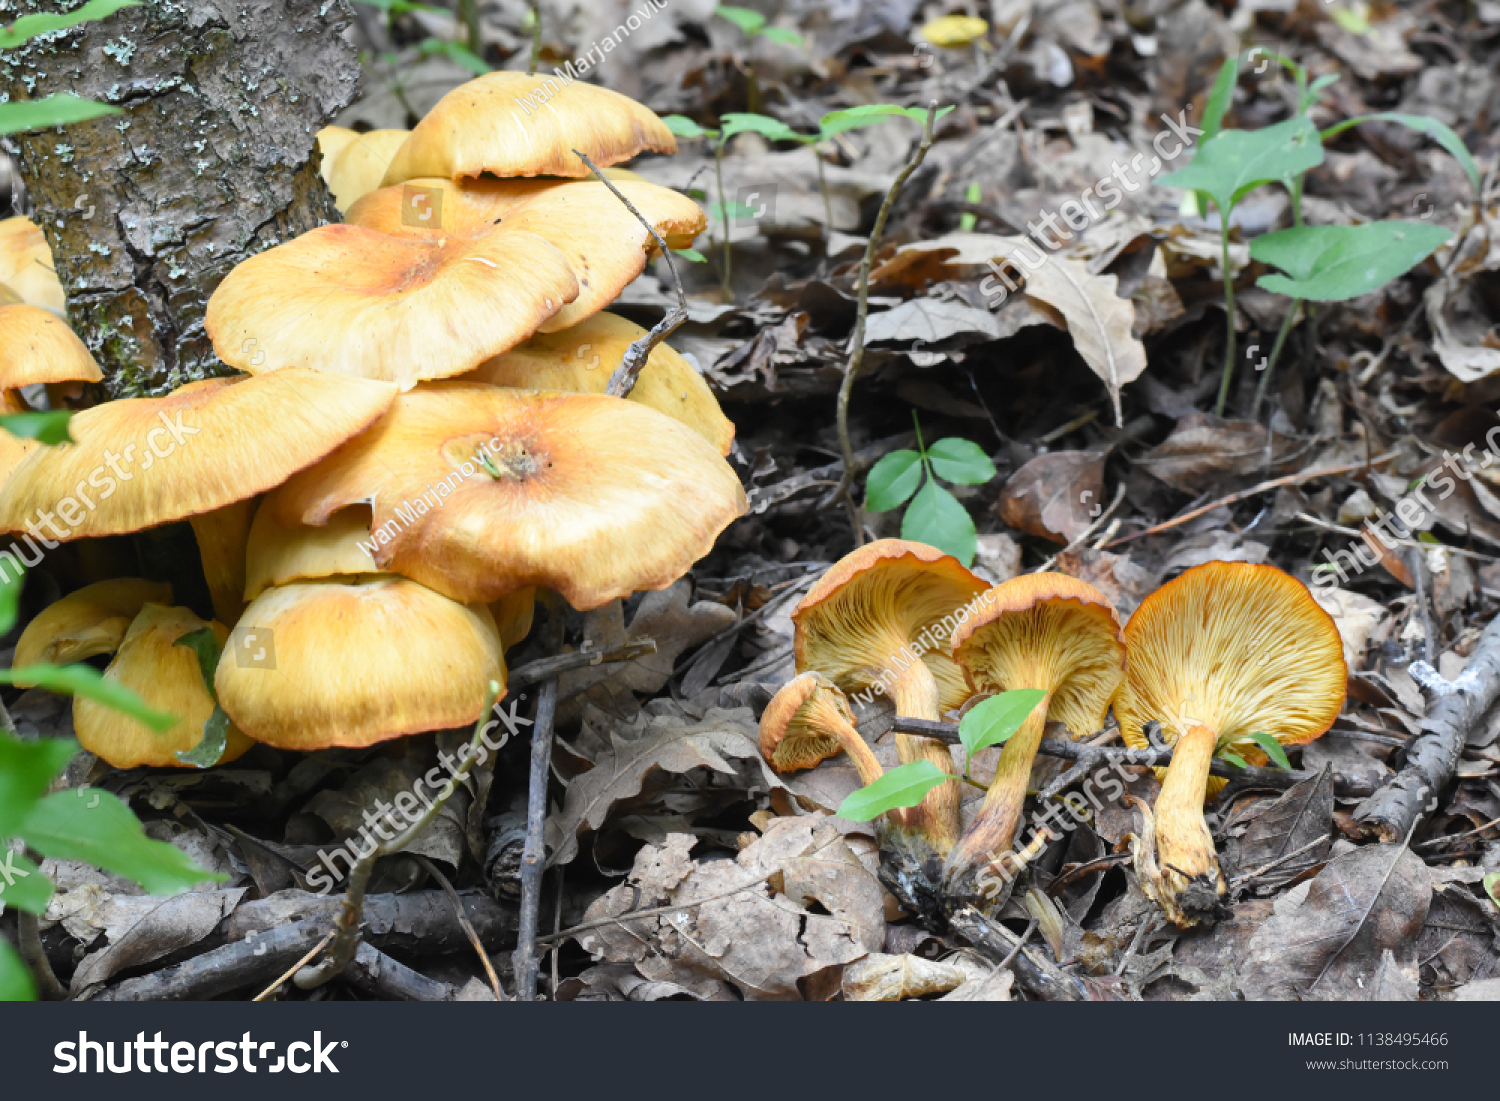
<point>1174,856</point>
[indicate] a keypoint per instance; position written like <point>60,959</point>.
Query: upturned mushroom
<point>879,621</point>
<point>512,124</point>
<point>1046,631</point>
<point>809,721</point>
<point>35,347</point>
<point>478,491</point>
<point>26,266</point>
<point>1222,653</point>
<point>580,360</point>
<point>169,679</point>
<point>87,622</point>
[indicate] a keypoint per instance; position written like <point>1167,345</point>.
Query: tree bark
<point>212,162</point>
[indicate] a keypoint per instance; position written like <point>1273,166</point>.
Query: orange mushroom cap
<point>580,360</point>
<point>350,301</point>
<point>26,266</point>
<point>512,124</point>
<point>354,164</point>
<point>355,661</point>
<point>573,500</point>
<point>794,731</point>
<point>168,678</point>
<point>872,604</point>
<point>36,347</point>
<point>277,553</point>
<point>606,246</point>
<point>140,462</point>
<point>87,622</point>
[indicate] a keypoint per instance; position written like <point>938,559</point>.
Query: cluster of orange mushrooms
<point>1225,651</point>
<point>420,439</point>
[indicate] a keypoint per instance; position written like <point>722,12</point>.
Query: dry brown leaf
<point>882,978</point>
<point>1055,496</point>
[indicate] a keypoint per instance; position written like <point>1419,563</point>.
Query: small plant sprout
<point>935,516</point>
<point>753,25</point>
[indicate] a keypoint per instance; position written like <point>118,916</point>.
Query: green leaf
<point>684,127</point>
<point>1233,758</point>
<point>994,720</point>
<point>1351,20</point>
<point>903,786</point>
<point>93,826</point>
<point>10,597</point>
<point>1434,129</point>
<point>892,480</point>
<point>1273,749</point>
<point>401,7</point>
<point>210,747</point>
<point>935,517</point>
<point>730,211</point>
<point>15,980</point>
<point>852,118</point>
<point>1492,887</point>
<point>47,428</point>
<point>1220,96</point>
<point>1235,162</point>
<point>955,459</point>
<point>744,18</point>
<point>88,682</point>
<point>783,35</point>
<point>22,883</point>
<point>205,644</point>
<point>29,26</point>
<point>26,770</point>
<point>1335,263</point>
<point>765,125</point>
<point>459,55</point>
<point>691,254</point>
<point>62,109</point>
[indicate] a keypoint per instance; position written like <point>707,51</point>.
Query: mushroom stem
<point>854,744</point>
<point>1184,845</point>
<point>915,694</point>
<point>993,833</point>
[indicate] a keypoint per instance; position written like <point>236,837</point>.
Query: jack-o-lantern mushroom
<point>880,620</point>
<point>35,347</point>
<point>87,622</point>
<point>1223,652</point>
<point>1039,630</point>
<point>809,721</point>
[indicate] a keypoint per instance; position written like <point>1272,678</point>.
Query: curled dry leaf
<point>794,903</point>
<point>1055,496</point>
<point>1300,818</point>
<point>1331,942</point>
<point>882,978</point>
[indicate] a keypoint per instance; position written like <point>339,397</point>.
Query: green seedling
<point>934,516</point>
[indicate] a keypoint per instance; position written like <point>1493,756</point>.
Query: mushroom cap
<point>605,244</point>
<point>26,266</point>
<point>1240,648</point>
<point>580,505</point>
<point>354,166</point>
<point>14,450</point>
<point>36,347</point>
<point>9,297</point>
<point>884,595</point>
<point>1051,631</point>
<point>580,360</point>
<point>240,437</point>
<point>351,301</point>
<point>89,621</point>
<point>511,124</point>
<point>793,727</point>
<point>168,678</point>
<point>514,613</point>
<point>355,661</point>
<point>278,553</point>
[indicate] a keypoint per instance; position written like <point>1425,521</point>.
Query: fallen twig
<point>1432,756</point>
<point>534,855</point>
<point>547,668</point>
<point>292,970</point>
<point>1038,976</point>
<point>634,361</point>
<point>463,921</point>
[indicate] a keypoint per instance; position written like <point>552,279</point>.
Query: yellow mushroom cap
<point>90,621</point>
<point>355,661</point>
<point>1237,647</point>
<point>604,243</point>
<point>885,595</point>
<point>353,166</point>
<point>26,266</point>
<point>796,728</point>
<point>511,124</point>
<point>1051,631</point>
<point>14,450</point>
<point>350,301</point>
<point>592,496</point>
<point>513,614</point>
<point>278,553</point>
<point>580,360</point>
<point>168,678</point>
<point>36,347</point>
<point>129,471</point>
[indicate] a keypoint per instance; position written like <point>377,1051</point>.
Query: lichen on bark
<point>212,161</point>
